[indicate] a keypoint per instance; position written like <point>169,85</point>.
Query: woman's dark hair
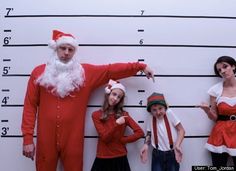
<point>118,108</point>
<point>231,61</point>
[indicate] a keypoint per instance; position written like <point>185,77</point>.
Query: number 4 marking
<point>4,100</point>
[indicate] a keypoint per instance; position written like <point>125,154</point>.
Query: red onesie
<point>60,121</point>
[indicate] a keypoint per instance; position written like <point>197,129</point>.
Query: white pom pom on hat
<point>59,38</point>
<point>112,85</point>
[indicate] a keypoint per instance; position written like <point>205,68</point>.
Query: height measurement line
<point>126,106</point>
<point>7,30</point>
<point>141,60</point>
<point>129,45</point>
<point>156,75</point>
<point>140,30</point>
<point>6,60</point>
<point>120,16</point>
<point>89,136</point>
<point>5,90</point>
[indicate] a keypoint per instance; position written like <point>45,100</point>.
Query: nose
<point>115,97</point>
<point>223,71</point>
<point>66,51</point>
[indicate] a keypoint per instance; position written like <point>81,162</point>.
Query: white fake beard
<point>62,78</point>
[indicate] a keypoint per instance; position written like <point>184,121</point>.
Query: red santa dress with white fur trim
<point>223,135</point>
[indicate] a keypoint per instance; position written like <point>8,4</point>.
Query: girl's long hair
<point>118,108</point>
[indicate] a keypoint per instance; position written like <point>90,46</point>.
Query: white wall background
<point>181,41</point>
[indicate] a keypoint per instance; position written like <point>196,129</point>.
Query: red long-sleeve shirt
<point>112,141</point>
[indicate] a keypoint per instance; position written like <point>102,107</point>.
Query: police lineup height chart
<point>180,40</point>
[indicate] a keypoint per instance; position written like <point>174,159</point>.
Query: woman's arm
<point>210,110</point>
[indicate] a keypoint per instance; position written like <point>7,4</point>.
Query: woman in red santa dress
<point>222,109</point>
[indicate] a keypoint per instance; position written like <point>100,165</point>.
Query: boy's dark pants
<point>164,161</point>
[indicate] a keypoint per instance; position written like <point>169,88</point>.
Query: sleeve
<point>100,74</point>
<point>216,90</point>
<point>31,103</point>
<point>137,131</point>
<point>105,134</point>
<point>173,117</point>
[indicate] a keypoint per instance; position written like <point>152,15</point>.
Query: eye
<point>153,110</point>
<point>113,93</point>
<point>62,48</point>
<point>225,66</point>
<point>71,50</point>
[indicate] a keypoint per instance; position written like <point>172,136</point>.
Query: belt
<point>226,117</point>
<point>166,152</point>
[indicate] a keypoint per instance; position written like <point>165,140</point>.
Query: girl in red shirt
<point>110,122</point>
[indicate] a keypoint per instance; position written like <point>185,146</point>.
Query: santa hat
<point>59,38</point>
<point>156,98</point>
<point>112,85</point>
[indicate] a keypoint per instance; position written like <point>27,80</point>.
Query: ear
<point>233,67</point>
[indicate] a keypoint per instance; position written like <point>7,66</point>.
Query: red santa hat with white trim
<point>112,84</point>
<point>59,38</point>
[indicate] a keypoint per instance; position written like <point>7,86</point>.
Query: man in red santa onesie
<point>57,96</point>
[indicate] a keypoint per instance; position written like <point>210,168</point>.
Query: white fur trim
<point>52,44</point>
<point>118,85</point>
<point>67,40</point>
<point>112,85</point>
<point>107,90</point>
<point>220,149</point>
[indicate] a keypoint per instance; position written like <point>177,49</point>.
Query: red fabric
<point>168,130</point>
<point>224,132</point>
<point>154,122</point>
<point>156,98</point>
<point>111,142</point>
<point>60,121</point>
<point>58,34</point>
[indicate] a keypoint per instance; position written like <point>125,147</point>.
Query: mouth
<point>65,60</point>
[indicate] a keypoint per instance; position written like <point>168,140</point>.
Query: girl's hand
<point>121,120</point>
<point>144,153</point>
<point>178,154</point>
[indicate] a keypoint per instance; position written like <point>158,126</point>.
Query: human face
<point>225,70</point>
<point>115,96</point>
<point>65,52</point>
<point>158,110</point>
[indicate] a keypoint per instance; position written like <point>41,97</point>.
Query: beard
<point>62,78</point>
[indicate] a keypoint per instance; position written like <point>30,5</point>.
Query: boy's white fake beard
<point>62,78</point>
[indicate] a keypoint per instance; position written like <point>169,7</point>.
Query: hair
<point>118,108</point>
<point>231,61</point>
